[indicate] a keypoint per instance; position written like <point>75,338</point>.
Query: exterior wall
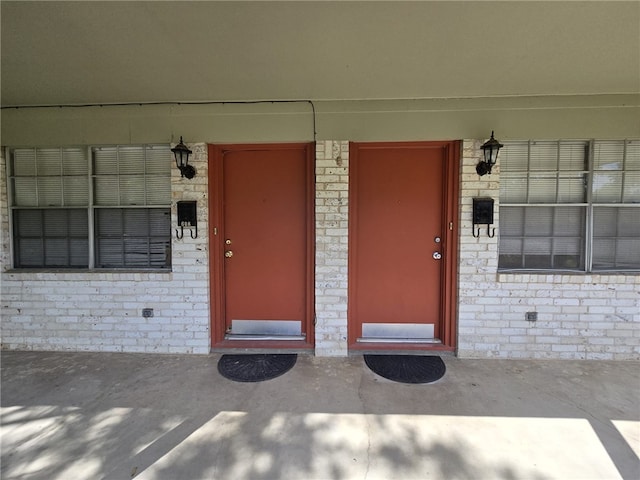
<point>332,189</point>
<point>102,311</point>
<point>579,316</point>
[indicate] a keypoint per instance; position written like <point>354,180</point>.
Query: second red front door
<point>397,234</point>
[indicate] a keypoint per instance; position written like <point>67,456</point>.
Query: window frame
<point>589,205</point>
<point>91,206</point>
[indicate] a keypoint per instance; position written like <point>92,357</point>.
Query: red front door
<point>400,235</point>
<point>262,244</point>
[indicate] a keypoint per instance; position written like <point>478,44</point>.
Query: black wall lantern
<point>181,152</point>
<point>490,149</point>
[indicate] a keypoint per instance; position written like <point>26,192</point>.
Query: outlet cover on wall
<point>531,316</point>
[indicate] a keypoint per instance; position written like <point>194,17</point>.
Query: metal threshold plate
<point>432,341</point>
<point>415,331</point>
<point>265,330</point>
<point>265,337</point>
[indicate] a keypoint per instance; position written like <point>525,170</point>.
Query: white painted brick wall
<point>579,316</point>
<point>102,311</point>
<point>332,188</point>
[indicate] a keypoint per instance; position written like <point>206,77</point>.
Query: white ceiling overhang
<point>56,53</point>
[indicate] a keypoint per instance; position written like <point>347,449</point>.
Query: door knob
<point>437,255</point>
<point>228,254</point>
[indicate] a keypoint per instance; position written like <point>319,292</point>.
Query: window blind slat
<point>78,252</point>
<point>109,223</point>
<point>136,222</point>
<point>106,191</point>
<point>76,191</point>
<point>74,161</point>
<point>158,190</point>
<point>28,223</point>
<point>569,221</point>
<point>574,156</point>
<point>105,161</point>
<point>513,189</point>
<point>538,222</point>
<point>543,156</point>
<point>607,187</point>
<point>542,189</point>
<point>608,155</point>
<point>631,190</point>
<point>514,157</point>
<point>632,161</point>
<point>131,160</point>
<point>55,223</point>
<point>132,190</point>
<point>110,253</point>
<point>56,252</point>
<point>512,221</point>
<point>49,161</point>
<point>158,160</point>
<point>30,252</point>
<point>50,191</point>
<point>25,192</point>
<point>616,221</point>
<point>572,189</point>
<point>24,162</point>
<point>159,222</point>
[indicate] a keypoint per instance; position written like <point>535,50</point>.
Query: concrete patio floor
<point>122,416</point>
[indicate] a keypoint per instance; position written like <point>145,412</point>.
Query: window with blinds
<point>91,207</point>
<point>570,205</point>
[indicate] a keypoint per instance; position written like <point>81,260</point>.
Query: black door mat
<point>407,368</point>
<point>255,367</point>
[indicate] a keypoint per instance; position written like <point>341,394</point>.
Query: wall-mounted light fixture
<point>490,149</point>
<point>181,153</point>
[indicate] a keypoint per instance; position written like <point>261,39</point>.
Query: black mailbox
<point>187,214</point>
<point>483,215</point>
<point>187,218</point>
<point>483,211</point>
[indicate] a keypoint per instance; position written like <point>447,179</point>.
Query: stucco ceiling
<point>108,52</point>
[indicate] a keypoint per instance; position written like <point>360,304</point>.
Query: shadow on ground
<point>121,416</point>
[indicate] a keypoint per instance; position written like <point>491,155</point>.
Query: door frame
<point>216,250</point>
<point>450,244</point>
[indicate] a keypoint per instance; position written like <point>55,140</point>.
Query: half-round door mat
<point>255,367</point>
<point>407,368</point>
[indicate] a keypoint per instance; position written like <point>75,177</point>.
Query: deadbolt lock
<point>227,242</point>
